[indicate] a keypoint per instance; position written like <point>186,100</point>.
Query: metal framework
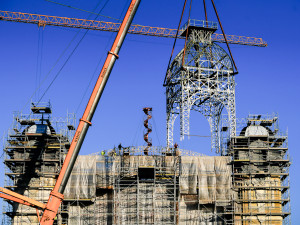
<point>200,78</point>
<point>34,152</point>
<point>148,194</point>
<point>260,165</point>
<point>159,188</point>
<point>43,20</point>
<point>248,186</point>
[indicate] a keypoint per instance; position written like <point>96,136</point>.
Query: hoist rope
<point>212,1</point>
<point>205,12</point>
<point>187,33</point>
<point>58,73</point>
<point>41,55</point>
<point>72,7</point>
<point>39,59</point>
<point>96,71</point>
<point>175,41</point>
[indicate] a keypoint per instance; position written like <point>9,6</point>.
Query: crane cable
<point>99,62</point>
<point>56,62</point>
<point>69,56</point>
<point>205,12</point>
<point>175,42</point>
<point>41,55</point>
<point>227,44</point>
<point>39,58</point>
<point>87,11</point>
<point>187,33</point>
<point>83,10</point>
<point>37,61</point>
<point>64,64</point>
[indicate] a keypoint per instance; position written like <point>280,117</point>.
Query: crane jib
<point>45,20</point>
<point>56,196</point>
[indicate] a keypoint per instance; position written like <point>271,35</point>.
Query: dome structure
<point>256,130</point>
<point>201,59</point>
<point>200,78</point>
<point>40,129</point>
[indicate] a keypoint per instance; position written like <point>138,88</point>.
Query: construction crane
<point>56,196</point>
<point>45,20</point>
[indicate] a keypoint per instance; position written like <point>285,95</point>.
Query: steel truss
<point>260,165</point>
<point>146,200</point>
<point>44,20</point>
<point>34,154</point>
<point>200,78</point>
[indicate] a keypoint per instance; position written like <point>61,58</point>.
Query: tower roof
<point>193,24</point>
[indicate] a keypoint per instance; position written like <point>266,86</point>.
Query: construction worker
<point>120,147</point>
<point>103,152</point>
<point>112,153</point>
<point>176,151</point>
<point>175,145</point>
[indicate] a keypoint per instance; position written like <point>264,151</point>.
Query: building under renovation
<point>35,150</point>
<point>247,182</point>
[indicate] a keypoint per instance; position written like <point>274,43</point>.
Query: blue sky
<point>267,82</point>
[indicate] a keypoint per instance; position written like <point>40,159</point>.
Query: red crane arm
<point>43,20</point>
<point>13,196</point>
<point>56,195</point>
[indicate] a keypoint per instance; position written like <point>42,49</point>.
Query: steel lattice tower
<point>200,78</point>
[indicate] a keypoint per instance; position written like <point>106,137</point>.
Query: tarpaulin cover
<point>209,177</point>
<point>82,182</point>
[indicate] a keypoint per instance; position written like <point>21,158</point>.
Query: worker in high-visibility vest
<point>103,152</point>
<point>112,153</point>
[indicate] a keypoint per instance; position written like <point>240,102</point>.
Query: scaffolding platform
<point>260,164</point>
<point>34,153</point>
<point>193,24</point>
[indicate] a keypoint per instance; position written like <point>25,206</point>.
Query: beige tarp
<point>82,182</point>
<point>209,177</point>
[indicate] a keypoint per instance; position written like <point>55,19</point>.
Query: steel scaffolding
<point>34,153</point>
<point>249,184</point>
<point>146,193</point>
<point>160,188</point>
<point>200,78</point>
<point>260,163</point>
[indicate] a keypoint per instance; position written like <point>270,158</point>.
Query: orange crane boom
<point>43,20</point>
<point>56,196</point>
